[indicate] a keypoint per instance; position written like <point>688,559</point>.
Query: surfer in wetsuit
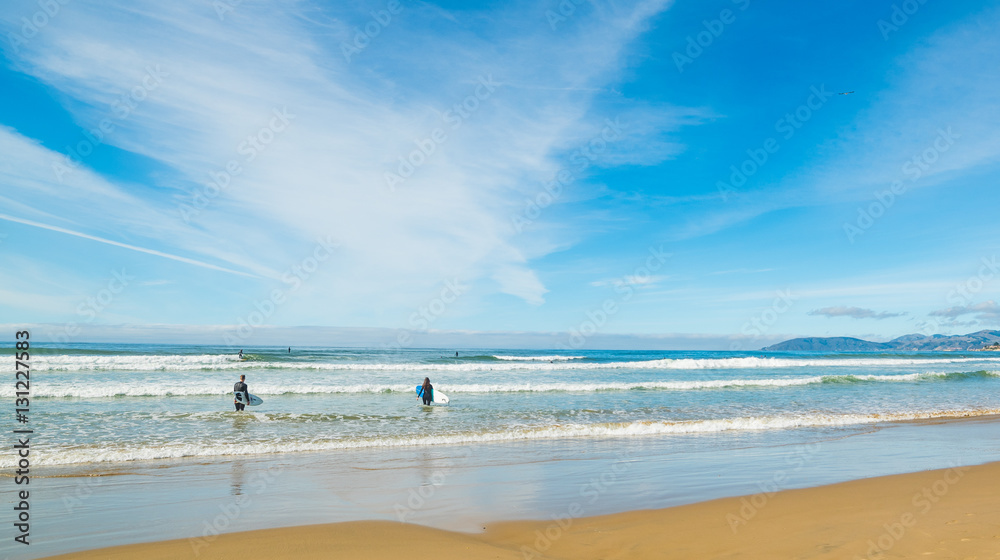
<point>427,392</point>
<point>241,387</point>
<point>241,354</point>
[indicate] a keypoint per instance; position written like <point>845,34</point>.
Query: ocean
<point>102,405</point>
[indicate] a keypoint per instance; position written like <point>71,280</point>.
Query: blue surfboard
<point>437,397</point>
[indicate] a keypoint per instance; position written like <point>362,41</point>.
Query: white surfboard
<point>439,397</point>
<point>254,399</point>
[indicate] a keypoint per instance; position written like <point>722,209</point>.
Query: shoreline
<point>947,511</point>
<point>464,488</point>
<point>102,469</point>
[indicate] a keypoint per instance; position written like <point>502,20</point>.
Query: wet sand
<point>948,513</point>
<point>462,489</point>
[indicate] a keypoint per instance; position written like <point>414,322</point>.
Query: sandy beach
<point>949,513</point>
<point>636,495</point>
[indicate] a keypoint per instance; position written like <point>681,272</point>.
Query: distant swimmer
<point>456,354</point>
<point>427,392</point>
<point>241,387</point>
<point>846,93</point>
<point>289,349</point>
<point>241,354</point>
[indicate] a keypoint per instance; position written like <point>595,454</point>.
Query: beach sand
<point>949,513</point>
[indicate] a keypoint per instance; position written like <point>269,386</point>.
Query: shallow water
<point>114,404</point>
<point>76,507</point>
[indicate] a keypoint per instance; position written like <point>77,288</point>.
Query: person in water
<point>427,391</point>
<point>241,354</point>
<point>241,387</point>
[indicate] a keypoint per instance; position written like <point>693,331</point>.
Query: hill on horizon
<point>910,342</point>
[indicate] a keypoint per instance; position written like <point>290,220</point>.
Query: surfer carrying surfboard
<point>427,392</point>
<point>241,387</point>
<point>428,396</point>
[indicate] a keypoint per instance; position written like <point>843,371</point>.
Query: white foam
<point>228,362</point>
<point>94,389</point>
<point>540,358</point>
<point>110,454</point>
<point>171,362</point>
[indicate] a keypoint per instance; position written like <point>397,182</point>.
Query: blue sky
<point>682,170</point>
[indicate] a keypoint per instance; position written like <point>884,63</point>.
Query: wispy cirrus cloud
<point>122,245</point>
<point>935,87</point>
<point>740,271</point>
<point>632,280</point>
<point>353,121</point>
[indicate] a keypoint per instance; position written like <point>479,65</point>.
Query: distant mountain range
<point>919,342</point>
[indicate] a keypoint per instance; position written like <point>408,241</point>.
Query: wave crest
<point>106,454</point>
<point>228,362</point>
<point>203,388</point>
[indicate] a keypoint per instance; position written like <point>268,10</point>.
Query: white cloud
<point>324,175</point>
<point>632,280</point>
<point>854,313</point>
<point>984,311</point>
<point>741,271</point>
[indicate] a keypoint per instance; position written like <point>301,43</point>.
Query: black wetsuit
<point>241,387</point>
<point>427,394</point>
